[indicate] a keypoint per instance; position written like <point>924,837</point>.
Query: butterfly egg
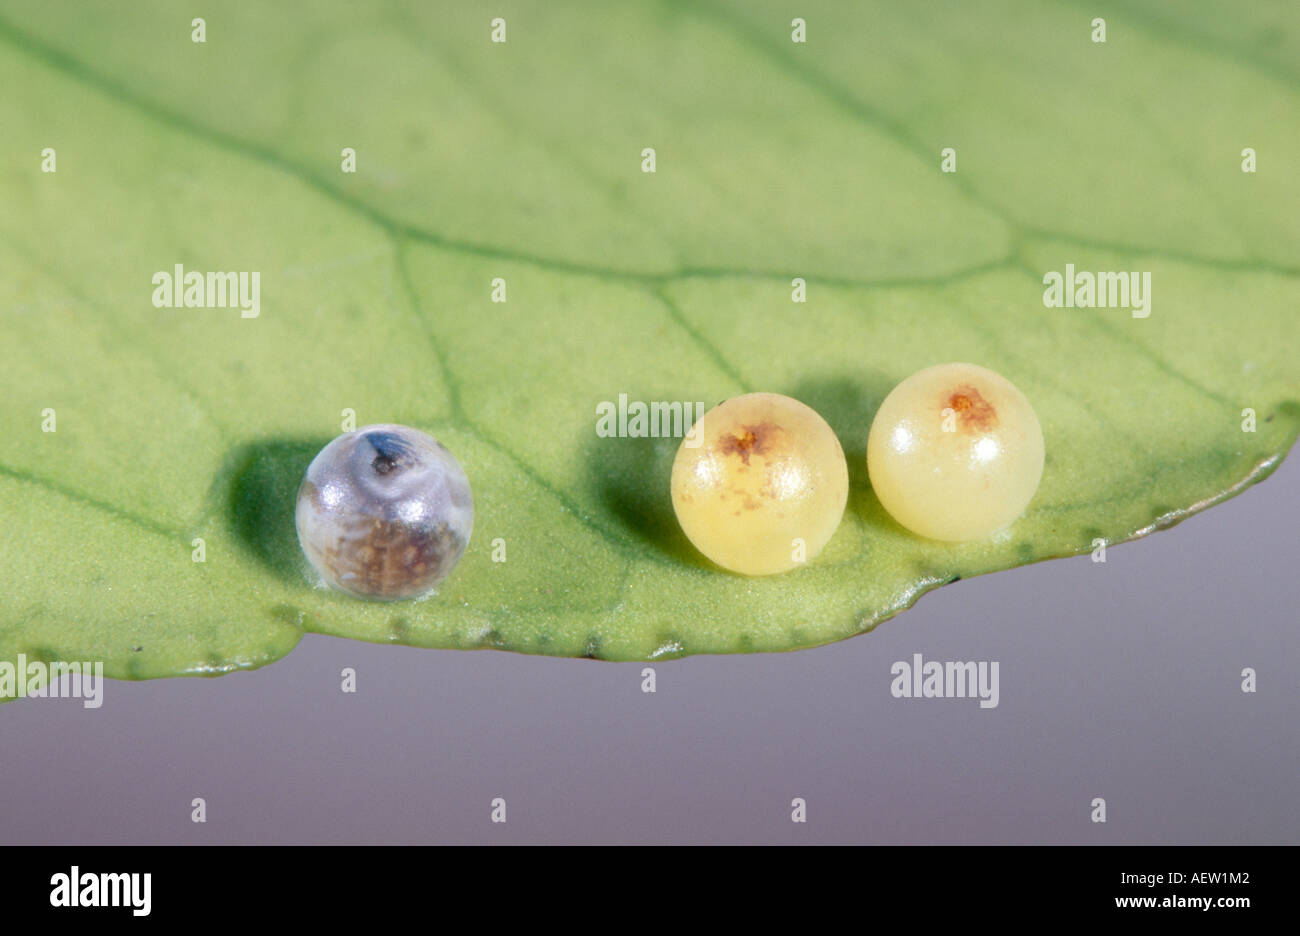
<point>760,483</point>
<point>384,512</point>
<point>955,452</point>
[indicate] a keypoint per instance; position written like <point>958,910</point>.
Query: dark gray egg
<point>384,512</point>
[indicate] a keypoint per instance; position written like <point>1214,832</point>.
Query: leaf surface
<point>522,161</point>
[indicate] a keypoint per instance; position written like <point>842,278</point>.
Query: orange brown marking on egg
<point>759,439</point>
<point>974,413</point>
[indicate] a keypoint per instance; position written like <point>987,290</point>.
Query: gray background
<point>1118,680</point>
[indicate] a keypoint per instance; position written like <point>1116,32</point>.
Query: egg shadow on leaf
<point>849,404</point>
<point>633,478</point>
<point>257,488</point>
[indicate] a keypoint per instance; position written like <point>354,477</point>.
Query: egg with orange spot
<point>955,452</point>
<point>760,483</point>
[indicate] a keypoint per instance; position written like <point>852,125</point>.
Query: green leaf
<point>522,160</point>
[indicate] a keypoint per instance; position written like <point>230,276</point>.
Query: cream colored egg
<point>760,484</point>
<point>955,452</point>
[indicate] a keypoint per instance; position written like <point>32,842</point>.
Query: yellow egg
<point>759,485</point>
<point>955,452</point>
